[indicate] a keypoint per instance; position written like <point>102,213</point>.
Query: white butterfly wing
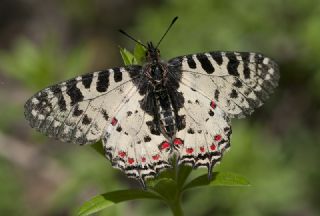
<point>79,109</point>
<point>238,82</point>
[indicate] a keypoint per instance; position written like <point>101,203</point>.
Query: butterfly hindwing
<point>130,146</point>
<point>207,133</point>
<point>78,110</point>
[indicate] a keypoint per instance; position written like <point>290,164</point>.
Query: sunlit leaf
<point>218,179</point>
<point>106,200</point>
<point>139,53</point>
<point>127,57</point>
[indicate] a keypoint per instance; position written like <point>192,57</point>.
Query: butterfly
<point>145,114</point>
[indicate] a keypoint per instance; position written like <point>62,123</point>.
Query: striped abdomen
<point>166,117</point>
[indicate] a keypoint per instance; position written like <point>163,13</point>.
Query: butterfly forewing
<point>238,82</point>
<point>79,109</point>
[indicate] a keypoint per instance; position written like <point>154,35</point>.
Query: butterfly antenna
<point>172,22</point>
<point>126,34</point>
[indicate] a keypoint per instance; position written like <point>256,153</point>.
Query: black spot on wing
<point>147,138</point>
<point>62,104</point>
<point>228,131</point>
<point>234,93</point>
<point>105,114</point>
<point>87,80</point>
<point>74,92</point>
<point>233,63</point>
<point>246,58</point>
<point>117,76</point>
<point>211,113</point>
<point>205,63</point>
<point>152,127</point>
<point>103,81</point>
<point>217,57</point>
<point>190,131</point>
<point>237,83</point>
<point>77,111</point>
<point>119,128</point>
<point>86,120</point>
<point>56,90</point>
<point>191,62</point>
<point>259,59</point>
<point>216,94</point>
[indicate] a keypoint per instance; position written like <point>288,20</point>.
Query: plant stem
<point>176,207</point>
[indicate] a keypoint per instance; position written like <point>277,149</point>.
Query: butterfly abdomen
<point>165,112</point>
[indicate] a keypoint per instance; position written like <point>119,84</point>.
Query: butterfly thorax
<point>155,70</point>
<point>152,54</point>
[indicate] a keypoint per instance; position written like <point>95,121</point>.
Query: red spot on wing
<point>217,137</point>
<point>213,147</point>
<point>164,145</point>
<point>189,150</point>
<point>130,160</point>
<point>213,104</point>
<point>122,154</point>
<point>178,141</point>
<point>114,121</point>
<point>202,149</point>
<point>156,157</point>
<point>143,159</point>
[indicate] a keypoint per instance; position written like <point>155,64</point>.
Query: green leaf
<point>171,194</point>
<point>139,53</point>
<point>218,179</point>
<point>106,200</point>
<point>166,187</point>
<point>127,57</point>
<point>98,146</point>
<point>183,174</point>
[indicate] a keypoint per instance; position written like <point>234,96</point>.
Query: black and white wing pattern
<point>217,86</point>
<point>130,146</point>
<point>103,105</point>
<point>79,110</point>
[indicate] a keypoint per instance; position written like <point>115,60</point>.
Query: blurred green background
<point>277,148</point>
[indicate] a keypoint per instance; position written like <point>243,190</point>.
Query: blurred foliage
<point>10,185</point>
<point>277,148</point>
<point>37,66</point>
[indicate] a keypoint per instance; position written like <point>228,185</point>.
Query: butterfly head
<point>155,70</point>
<point>152,54</point>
